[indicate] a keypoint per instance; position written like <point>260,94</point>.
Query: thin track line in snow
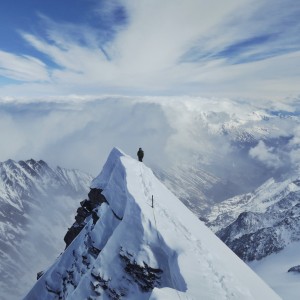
<point>147,194</point>
<point>159,239</point>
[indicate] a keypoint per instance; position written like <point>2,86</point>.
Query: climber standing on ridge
<point>140,154</point>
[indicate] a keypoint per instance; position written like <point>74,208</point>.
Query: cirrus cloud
<point>22,67</point>
<point>232,49</point>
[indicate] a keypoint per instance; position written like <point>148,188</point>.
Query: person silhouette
<point>140,154</point>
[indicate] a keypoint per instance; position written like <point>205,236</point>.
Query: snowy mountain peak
<point>260,223</point>
<point>35,202</point>
<point>263,228</point>
<point>25,178</point>
<point>144,243</point>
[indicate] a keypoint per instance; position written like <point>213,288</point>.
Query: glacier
<point>145,244</point>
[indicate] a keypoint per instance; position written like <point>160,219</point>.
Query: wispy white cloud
<point>22,67</point>
<point>295,148</point>
<point>244,49</point>
<point>295,158</point>
<point>265,155</point>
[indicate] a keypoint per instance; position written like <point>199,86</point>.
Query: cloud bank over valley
<point>242,142</point>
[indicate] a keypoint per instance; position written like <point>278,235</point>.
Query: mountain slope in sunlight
<point>143,243</point>
<point>263,228</point>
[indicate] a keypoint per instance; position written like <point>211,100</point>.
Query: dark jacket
<point>140,154</point>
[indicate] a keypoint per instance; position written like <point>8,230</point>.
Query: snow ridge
<point>145,244</point>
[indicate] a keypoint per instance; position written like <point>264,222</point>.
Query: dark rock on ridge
<point>295,269</point>
<point>145,276</point>
<point>87,208</point>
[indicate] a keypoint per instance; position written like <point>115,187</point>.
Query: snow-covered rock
<point>263,228</point>
<point>145,245</point>
<point>294,269</point>
<point>259,223</point>
<point>36,202</point>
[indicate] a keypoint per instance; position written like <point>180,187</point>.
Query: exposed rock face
<point>146,277</point>
<point>87,208</point>
<point>253,246</point>
<point>143,275</point>
<point>295,269</point>
<point>95,198</point>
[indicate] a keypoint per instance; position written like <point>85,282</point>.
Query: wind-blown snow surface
<point>138,242</point>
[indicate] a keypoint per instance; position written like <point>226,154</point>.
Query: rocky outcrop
<point>295,269</point>
<point>271,220</point>
<point>145,276</point>
<point>87,208</point>
<point>254,246</point>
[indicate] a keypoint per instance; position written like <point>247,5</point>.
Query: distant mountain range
<point>195,187</point>
<point>261,224</point>
<point>257,224</point>
<point>36,204</point>
<point>229,150</point>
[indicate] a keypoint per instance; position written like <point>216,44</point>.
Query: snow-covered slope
<point>36,204</point>
<point>274,269</point>
<point>134,250</point>
<point>263,228</point>
<point>259,223</point>
<point>261,200</point>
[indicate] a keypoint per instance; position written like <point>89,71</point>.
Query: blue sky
<point>228,48</point>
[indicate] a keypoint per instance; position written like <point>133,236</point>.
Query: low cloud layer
<point>265,155</point>
<point>81,135</point>
<point>295,148</point>
<point>221,136</point>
